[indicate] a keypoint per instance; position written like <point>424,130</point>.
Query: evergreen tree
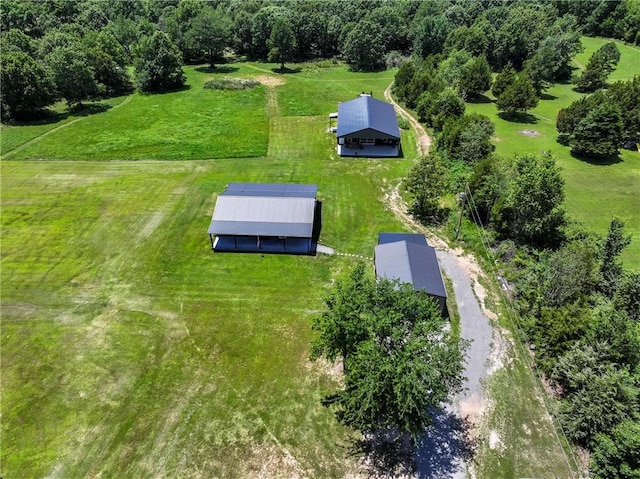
<point>602,62</point>
<point>599,134</point>
<point>476,78</point>
<point>519,97</point>
<point>611,267</point>
<point>505,79</point>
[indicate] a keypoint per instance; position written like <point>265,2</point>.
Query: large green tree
<point>601,63</point>
<point>475,78</point>
<point>363,47</point>
<point>431,35</point>
<point>427,182</point>
<point>158,64</point>
<point>210,33</point>
<point>600,133</point>
<point>72,73</point>
<point>518,97</point>
<point>399,358</point>
<point>281,43</point>
<point>26,87</point>
<point>531,211</point>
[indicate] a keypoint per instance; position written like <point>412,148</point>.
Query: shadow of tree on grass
<point>219,69</point>
<point>597,160</point>
<point>518,117</point>
<point>440,453</point>
<point>286,70</point>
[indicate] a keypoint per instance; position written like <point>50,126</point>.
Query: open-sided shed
<point>410,259</point>
<point>264,217</point>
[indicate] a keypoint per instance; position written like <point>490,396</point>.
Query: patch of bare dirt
<point>270,81</point>
<point>531,133</point>
<point>423,140</point>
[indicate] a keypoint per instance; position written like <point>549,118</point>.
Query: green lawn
<point>128,348</point>
<point>595,192</point>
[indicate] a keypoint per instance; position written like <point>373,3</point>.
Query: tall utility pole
<point>463,198</point>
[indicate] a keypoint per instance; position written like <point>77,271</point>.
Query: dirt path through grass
<point>444,450</point>
<point>423,140</point>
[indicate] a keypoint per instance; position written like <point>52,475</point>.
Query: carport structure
<point>264,218</point>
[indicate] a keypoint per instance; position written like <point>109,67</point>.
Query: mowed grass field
<point>129,349</point>
<point>595,192</point>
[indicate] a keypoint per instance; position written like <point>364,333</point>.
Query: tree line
<point>99,39</point>
<point>578,306</point>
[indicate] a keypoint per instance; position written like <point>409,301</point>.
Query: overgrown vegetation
<point>231,83</point>
<point>565,277</point>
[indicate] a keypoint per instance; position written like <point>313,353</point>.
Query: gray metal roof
<point>410,262</point>
<point>272,189</point>
<point>408,237</point>
<point>265,209</point>
<point>366,112</point>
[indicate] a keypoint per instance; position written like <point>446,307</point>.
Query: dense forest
<point>79,50</point>
<point>578,306</point>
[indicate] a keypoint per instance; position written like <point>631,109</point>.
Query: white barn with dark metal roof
<point>409,259</point>
<point>367,127</point>
<point>264,217</point>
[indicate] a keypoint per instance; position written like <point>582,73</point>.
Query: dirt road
<point>443,450</point>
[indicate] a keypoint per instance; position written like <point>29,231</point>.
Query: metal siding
<point>263,216</point>
<point>408,237</point>
<point>367,112</point>
<point>271,190</point>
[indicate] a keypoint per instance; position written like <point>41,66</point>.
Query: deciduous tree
<point>282,42</point>
<point>427,182</point>
<point>531,210</point>
<point>363,47</point>
<point>399,359</point>
<point>27,87</point>
<point>158,64</point>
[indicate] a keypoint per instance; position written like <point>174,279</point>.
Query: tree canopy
<point>399,359</point>
<point>158,65</point>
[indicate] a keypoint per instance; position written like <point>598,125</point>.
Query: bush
<point>229,83</point>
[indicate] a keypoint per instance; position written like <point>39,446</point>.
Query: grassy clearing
<point>129,349</point>
<point>595,192</point>
<point>196,123</point>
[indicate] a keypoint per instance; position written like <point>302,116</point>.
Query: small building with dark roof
<point>264,218</point>
<point>409,259</point>
<point>367,127</point>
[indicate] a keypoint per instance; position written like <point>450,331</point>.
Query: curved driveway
<point>444,448</point>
